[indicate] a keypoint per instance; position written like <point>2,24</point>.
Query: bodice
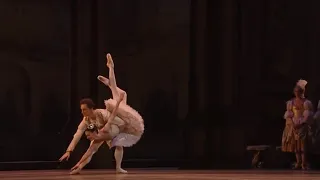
<point>102,117</point>
<point>100,120</point>
<point>297,111</point>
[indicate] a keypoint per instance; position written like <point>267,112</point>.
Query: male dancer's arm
<point>76,138</point>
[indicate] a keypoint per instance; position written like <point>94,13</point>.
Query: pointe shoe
<point>104,80</point>
<point>110,63</point>
<point>121,171</point>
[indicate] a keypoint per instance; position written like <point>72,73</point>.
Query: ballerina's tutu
<point>134,124</point>
<point>124,140</point>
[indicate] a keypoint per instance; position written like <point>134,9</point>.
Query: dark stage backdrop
<point>247,56</point>
<point>149,41</point>
<point>208,76</point>
<point>52,52</point>
<point>35,77</point>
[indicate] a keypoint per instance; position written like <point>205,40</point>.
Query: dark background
<point>209,76</point>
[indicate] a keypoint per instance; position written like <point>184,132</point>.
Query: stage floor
<point>160,175</point>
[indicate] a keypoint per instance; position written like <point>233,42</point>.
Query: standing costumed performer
<point>298,117</point>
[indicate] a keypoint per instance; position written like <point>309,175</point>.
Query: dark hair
<point>88,102</point>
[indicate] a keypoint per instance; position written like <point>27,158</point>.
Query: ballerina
<point>99,118</point>
<point>124,131</point>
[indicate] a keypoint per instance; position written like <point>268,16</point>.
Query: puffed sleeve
<point>103,115</point>
<point>77,136</point>
<point>288,113</point>
<point>308,112</point>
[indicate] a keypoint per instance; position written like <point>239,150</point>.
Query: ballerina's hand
<point>75,167</point>
<point>104,80</point>
<point>110,63</point>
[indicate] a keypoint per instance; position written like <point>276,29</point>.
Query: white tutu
<point>134,127</point>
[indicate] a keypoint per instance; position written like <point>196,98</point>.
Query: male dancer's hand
<point>66,156</point>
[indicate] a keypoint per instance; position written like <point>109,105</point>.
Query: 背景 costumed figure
<point>315,132</point>
<point>124,130</point>
<point>295,135</point>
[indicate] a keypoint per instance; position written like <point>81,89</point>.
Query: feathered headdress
<point>302,84</point>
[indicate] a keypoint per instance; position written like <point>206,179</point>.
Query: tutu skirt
<point>134,124</point>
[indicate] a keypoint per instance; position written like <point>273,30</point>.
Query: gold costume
<point>296,139</point>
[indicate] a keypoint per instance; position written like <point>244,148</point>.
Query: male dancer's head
<point>87,107</point>
<point>87,110</point>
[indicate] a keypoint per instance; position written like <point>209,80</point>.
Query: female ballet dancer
<point>124,131</point>
<point>98,118</point>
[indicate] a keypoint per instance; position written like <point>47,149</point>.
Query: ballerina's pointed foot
<point>121,171</point>
<point>110,63</point>
<point>104,80</point>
